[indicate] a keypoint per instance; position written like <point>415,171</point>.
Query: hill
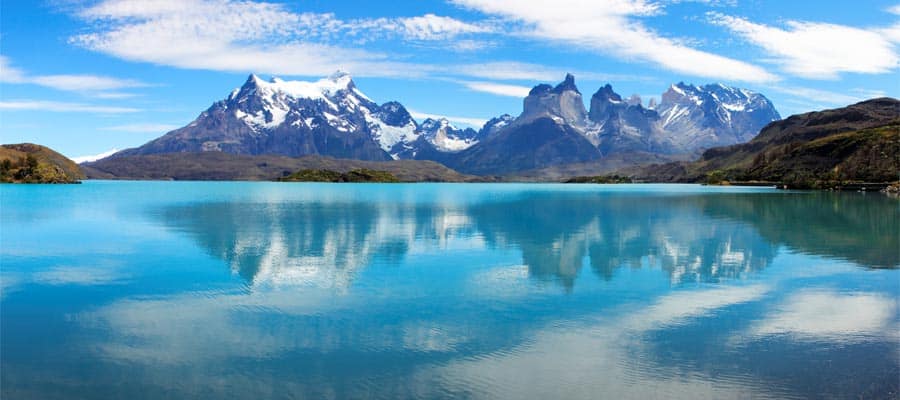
<point>226,166</point>
<point>858,143</point>
<point>33,163</point>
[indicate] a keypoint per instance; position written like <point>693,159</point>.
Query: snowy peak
<point>445,137</point>
<point>431,124</point>
<point>714,114</point>
<point>339,83</point>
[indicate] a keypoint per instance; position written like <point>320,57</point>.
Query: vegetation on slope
<point>327,175</point>
<point>599,179</point>
<point>32,163</point>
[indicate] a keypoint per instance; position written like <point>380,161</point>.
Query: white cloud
<point>260,37</point>
<point>433,27</point>
<point>610,26</point>
<point>830,315</point>
<point>57,106</point>
<point>8,73</point>
<point>817,50</point>
<point>465,45</point>
<point>94,157</point>
<point>892,32</point>
<point>468,121</point>
<point>142,128</point>
<point>894,9</point>
<point>498,89</point>
<point>81,83</point>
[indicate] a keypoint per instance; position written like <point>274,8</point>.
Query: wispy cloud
<point>611,27</point>
<point>468,121</point>
<point>892,32</point>
<point>261,37</point>
<point>816,50</point>
<point>81,83</point>
<point>142,128</point>
<point>58,106</point>
<point>433,27</point>
<point>498,89</point>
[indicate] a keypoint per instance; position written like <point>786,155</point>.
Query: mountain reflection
<point>864,229</point>
<point>693,238</point>
<point>558,233</point>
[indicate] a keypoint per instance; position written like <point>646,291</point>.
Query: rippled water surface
<point>264,290</point>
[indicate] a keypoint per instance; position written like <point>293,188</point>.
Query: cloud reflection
<point>831,316</point>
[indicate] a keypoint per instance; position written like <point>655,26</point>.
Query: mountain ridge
<point>333,118</point>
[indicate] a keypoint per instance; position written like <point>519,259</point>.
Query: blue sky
<point>85,77</point>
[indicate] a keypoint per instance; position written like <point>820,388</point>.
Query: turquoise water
<point>271,290</point>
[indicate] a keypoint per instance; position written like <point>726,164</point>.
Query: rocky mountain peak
<point>606,93</point>
<point>605,103</point>
<point>495,124</point>
<point>445,137</point>
<point>394,114</point>
<point>567,84</point>
<point>562,103</point>
<point>540,89</point>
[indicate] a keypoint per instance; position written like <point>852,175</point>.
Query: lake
<point>247,290</point>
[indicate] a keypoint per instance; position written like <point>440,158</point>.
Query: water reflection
<point>691,238</point>
<point>559,234</point>
<point>495,293</point>
<point>864,229</point>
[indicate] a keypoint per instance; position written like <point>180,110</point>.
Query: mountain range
<point>332,117</point>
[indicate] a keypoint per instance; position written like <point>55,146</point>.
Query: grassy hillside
<point>859,143</point>
<point>223,166</point>
<point>32,163</point>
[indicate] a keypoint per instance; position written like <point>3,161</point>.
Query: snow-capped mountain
<point>554,128</point>
<point>328,117</point>
<point>699,117</point>
<point>441,134</point>
<point>332,117</point>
